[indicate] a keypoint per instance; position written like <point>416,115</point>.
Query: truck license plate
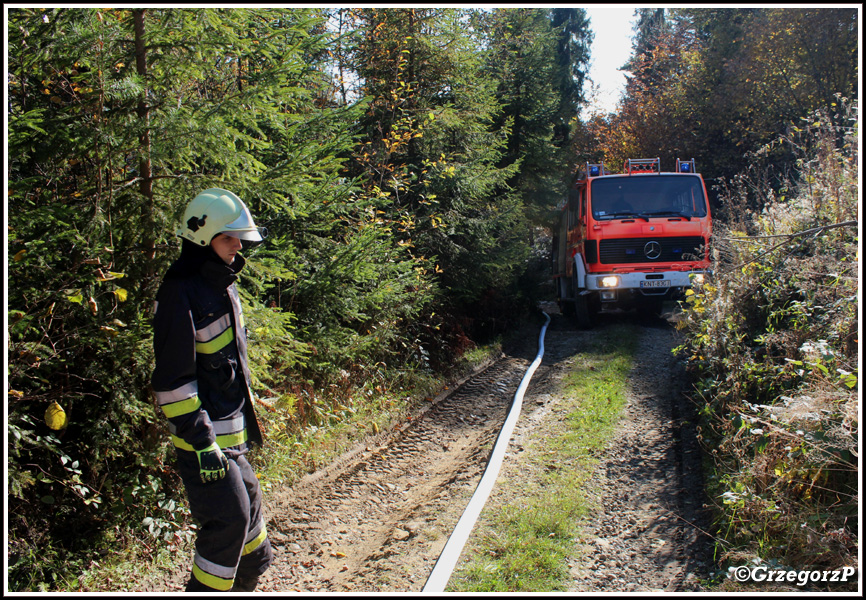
<point>656,283</point>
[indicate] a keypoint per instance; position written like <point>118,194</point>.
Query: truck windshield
<point>648,196</point>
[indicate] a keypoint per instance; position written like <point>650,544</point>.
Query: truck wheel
<point>566,297</point>
<point>594,304</point>
<point>582,313</point>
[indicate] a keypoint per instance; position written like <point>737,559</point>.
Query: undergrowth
<point>772,343</point>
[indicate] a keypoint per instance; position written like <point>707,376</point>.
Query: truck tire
<point>586,309</point>
<point>581,311</point>
<point>566,296</point>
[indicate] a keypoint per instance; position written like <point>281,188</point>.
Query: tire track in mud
<point>648,534</point>
<point>380,523</point>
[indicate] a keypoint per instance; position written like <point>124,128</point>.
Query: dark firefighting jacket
<point>201,377</point>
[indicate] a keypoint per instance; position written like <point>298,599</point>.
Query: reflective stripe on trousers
<point>232,539</point>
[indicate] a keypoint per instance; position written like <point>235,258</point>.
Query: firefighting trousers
<point>232,541</point>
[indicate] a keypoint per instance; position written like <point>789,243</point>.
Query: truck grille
<point>651,250</point>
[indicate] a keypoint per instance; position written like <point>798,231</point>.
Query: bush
<point>772,344</point>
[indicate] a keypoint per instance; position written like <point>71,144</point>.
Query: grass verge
<point>526,541</point>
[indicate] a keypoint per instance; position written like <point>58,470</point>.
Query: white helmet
<point>216,211</point>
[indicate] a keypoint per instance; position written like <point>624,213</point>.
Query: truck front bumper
<point>666,283</point>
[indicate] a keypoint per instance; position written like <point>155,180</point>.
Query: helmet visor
<point>250,235</point>
<point>244,228</point>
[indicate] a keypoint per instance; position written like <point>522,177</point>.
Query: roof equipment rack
<point>642,165</point>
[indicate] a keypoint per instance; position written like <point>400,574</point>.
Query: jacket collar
<point>221,275</point>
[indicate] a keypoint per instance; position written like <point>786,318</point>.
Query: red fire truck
<point>630,240</point>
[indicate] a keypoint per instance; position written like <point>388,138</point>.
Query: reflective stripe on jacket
<point>200,380</point>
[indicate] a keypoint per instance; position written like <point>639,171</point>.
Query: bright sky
<point>611,48</point>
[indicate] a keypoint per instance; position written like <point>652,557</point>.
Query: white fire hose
<point>447,560</point>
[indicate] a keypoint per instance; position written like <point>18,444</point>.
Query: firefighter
<point>201,383</point>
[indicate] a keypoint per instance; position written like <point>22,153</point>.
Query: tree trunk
<point>144,165</point>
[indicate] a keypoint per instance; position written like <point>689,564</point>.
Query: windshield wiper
<point>669,213</point>
<point>627,214</point>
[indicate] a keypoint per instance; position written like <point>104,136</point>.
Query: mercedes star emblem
<point>652,250</point>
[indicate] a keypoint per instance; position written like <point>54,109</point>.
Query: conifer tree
<point>538,59</point>
<point>432,145</point>
<point>117,118</point>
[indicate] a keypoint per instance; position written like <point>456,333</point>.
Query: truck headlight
<point>608,281</point>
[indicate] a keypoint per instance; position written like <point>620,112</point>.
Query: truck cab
<point>631,240</point>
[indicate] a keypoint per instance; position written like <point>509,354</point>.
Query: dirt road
<point>377,519</point>
<point>646,532</point>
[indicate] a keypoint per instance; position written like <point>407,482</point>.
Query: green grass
<point>525,545</point>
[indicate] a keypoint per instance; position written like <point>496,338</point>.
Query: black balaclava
<point>194,257</point>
